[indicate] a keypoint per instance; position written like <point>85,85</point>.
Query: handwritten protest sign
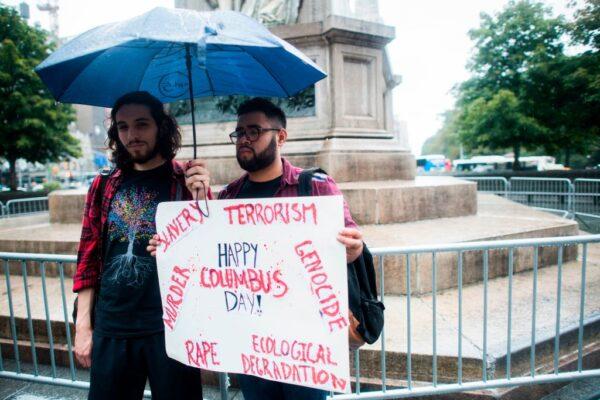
<point>259,287</point>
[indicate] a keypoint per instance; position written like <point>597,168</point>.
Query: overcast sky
<point>430,51</point>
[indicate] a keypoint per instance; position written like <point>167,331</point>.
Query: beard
<point>142,158</point>
<point>261,160</point>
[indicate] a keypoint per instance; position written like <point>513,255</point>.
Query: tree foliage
<point>586,27</point>
<point>33,126</point>
<point>524,92</point>
<point>565,98</point>
<point>499,123</point>
<point>508,44</point>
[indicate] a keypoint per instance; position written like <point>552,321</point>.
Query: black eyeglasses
<point>252,133</point>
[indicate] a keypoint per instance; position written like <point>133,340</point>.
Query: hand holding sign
<point>253,265</point>
<point>351,238</point>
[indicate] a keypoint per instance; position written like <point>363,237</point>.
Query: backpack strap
<point>305,181</point>
<point>104,174</point>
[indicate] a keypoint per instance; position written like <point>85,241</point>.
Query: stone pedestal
<point>351,134</point>
<point>66,206</point>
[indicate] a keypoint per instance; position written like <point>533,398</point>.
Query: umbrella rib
<point>268,70</point>
<point>210,83</point>
<point>153,58</point>
<point>81,70</point>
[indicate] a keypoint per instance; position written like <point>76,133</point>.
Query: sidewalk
<point>11,389</point>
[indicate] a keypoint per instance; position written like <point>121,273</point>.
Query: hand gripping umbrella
<point>177,54</point>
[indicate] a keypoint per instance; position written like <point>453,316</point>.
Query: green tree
<point>34,126</point>
<point>508,46</point>
<point>565,98</point>
<point>499,124</point>
<point>585,29</point>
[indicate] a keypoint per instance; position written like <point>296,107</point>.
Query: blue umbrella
<point>177,54</point>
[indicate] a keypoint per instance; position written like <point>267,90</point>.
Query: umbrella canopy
<point>221,52</point>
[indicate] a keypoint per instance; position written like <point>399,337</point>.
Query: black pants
<point>120,368</point>
<point>254,388</point>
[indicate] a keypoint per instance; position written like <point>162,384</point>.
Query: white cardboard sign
<point>259,287</point>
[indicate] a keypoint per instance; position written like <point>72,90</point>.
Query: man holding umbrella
<point>123,342</point>
<point>173,54</point>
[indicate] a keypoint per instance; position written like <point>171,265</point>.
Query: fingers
<point>151,249</point>
<point>83,348</point>
<point>350,242</point>
<point>197,177</point>
<point>351,238</point>
<point>198,185</point>
<point>153,244</point>
<point>354,339</point>
<point>351,233</point>
<point>195,163</point>
<point>198,170</point>
<point>84,359</point>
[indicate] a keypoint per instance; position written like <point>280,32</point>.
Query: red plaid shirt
<point>97,204</point>
<point>322,185</point>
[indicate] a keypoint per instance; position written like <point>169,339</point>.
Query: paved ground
<point>21,390</point>
<point>587,389</point>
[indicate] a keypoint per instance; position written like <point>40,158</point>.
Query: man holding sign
<point>259,137</point>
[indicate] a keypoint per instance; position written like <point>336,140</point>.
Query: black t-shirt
<point>129,302</point>
<point>256,190</point>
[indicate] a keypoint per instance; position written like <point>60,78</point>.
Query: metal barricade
<point>38,324</point>
<point>489,378</point>
<point>579,200</point>
<point>549,193</point>
<point>493,184</point>
<point>26,206</point>
<point>477,256</point>
<point>587,197</point>
<point>2,210</point>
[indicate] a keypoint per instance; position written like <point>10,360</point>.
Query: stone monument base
<point>371,202</point>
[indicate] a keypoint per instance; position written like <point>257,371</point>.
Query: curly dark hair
<point>169,135</point>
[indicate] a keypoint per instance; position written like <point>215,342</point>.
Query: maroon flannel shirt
<point>95,214</point>
<point>321,186</point>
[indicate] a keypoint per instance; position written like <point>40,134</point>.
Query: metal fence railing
<point>23,206</point>
<point>496,185</point>
<point>550,193</point>
<point>578,198</point>
<point>586,196</point>
<point>483,258</point>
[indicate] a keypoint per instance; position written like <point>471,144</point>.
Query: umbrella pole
<point>188,64</point>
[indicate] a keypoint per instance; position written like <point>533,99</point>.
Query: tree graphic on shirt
<point>131,219</point>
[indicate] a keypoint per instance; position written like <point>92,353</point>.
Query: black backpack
<point>362,287</point>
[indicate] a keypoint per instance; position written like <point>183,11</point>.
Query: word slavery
<point>182,223</point>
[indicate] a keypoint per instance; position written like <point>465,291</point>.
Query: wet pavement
<point>12,389</point>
